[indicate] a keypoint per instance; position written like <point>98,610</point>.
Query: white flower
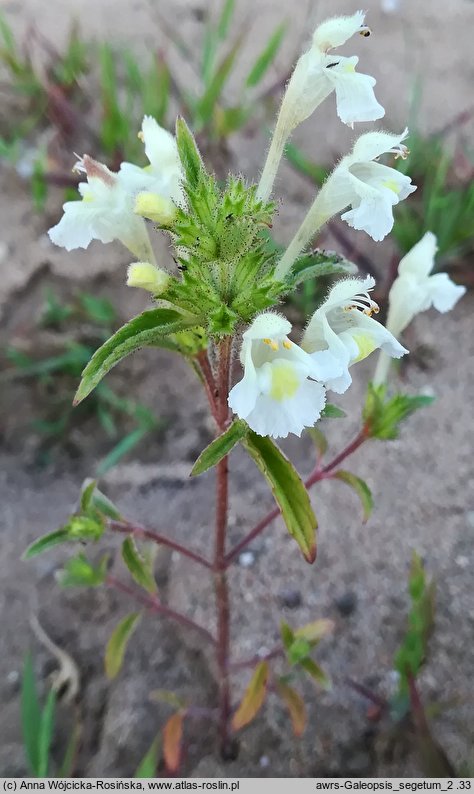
<point>276,395</point>
<point>369,188</point>
<point>164,174</point>
<point>343,329</point>
<point>105,213</point>
<point>415,291</point>
<point>316,75</point>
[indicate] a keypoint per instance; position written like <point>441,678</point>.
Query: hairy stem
<point>315,476</point>
<point>128,528</point>
<point>220,565</point>
<point>154,605</point>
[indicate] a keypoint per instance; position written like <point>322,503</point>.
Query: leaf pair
<point>287,487</point>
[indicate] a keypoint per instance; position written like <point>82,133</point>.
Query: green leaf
<point>220,447</point>
<point>139,569</point>
<point>266,57</point>
<point>79,572</point>
<point>314,632</point>
<point>287,635</point>
<point>189,154</point>
<point>319,440</point>
<point>206,105</point>
<point>299,649</point>
<point>317,264</point>
<point>45,736</point>
<point>412,652</point>
<point>383,416</point>
<point>30,715</point>
<point>307,167</point>
<point>85,528</point>
<point>140,332</point>
<point>288,490</point>
<point>93,498</point>
<point>360,487</point>
<point>225,18</point>
<point>316,672</point>
<point>118,642</point>
<point>332,412</point>
<point>149,763</point>
<point>253,698</point>
<point>47,542</point>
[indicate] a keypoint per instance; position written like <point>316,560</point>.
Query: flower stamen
<point>272,343</point>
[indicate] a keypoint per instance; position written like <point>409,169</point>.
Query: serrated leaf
<point>288,490</point>
<point>172,736</point>
<point>137,566</point>
<point>118,642</point>
<point>317,673</point>
<point>149,763</point>
<point>295,705</point>
<point>331,411</point>
<point>139,332</point>
<point>360,487</point>
<point>220,447</point>
<point>253,698</point>
<point>315,631</point>
<point>189,154</point>
<point>46,542</point>
<point>319,264</point>
<point>266,57</point>
<point>30,715</point>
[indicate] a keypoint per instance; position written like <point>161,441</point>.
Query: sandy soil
<point>423,483</point>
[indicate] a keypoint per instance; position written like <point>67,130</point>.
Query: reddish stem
<point>127,528</point>
<point>220,565</point>
<point>154,605</point>
<point>209,382</point>
<point>253,660</point>
<point>315,476</point>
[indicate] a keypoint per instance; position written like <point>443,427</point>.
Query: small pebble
<point>462,561</point>
<point>264,762</point>
<point>290,597</point>
<point>346,603</point>
<point>247,559</point>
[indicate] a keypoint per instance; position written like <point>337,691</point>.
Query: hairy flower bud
<point>147,276</point>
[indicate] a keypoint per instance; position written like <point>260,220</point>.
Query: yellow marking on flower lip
<point>366,346</point>
<point>141,136</point>
<point>391,185</point>
<point>285,382</point>
<point>349,68</point>
<point>287,345</point>
<point>271,343</point>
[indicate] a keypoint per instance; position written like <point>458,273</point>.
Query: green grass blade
<point>266,57</point>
